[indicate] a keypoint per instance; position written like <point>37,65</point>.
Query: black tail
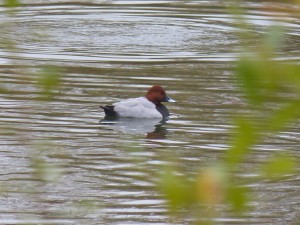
<point>109,110</point>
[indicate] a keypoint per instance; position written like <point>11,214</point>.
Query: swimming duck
<point>143,107</point>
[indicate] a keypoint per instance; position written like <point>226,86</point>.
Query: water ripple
<point>109,52</point>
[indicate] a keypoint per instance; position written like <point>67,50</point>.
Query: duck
<point>148,106</point>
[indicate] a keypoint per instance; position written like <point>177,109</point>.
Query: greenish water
<point>111,52</point>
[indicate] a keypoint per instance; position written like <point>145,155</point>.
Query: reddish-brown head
<point>157,94</point>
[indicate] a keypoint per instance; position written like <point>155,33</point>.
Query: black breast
<point>163,110</point>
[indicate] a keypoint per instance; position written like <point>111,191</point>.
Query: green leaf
<point>247,74</point>
<point>237,197</point>
<point>289,74</point>
<point>210,186</point>
<point>278,166</point>
<point>11,3</point>
<point>281,117</point>
<point>177,190</point>
<point>244,137</point>
<point>273,39</point>
<point>49,80</point>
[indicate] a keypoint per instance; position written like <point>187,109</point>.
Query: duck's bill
<point>168,99</point>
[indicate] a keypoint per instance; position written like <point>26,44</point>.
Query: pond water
<point>107,170</point>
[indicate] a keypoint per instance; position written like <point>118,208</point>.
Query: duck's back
<point>137,107</point>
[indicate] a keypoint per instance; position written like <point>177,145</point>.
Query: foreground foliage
<point>272,93</point>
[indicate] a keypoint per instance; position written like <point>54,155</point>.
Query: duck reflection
<point>153,128</point>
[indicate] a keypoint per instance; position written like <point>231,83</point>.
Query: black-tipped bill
<point>168,99</point>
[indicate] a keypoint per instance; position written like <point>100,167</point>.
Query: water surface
<point>108,169</point>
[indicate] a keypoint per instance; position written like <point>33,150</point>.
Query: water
<point>107,169</point>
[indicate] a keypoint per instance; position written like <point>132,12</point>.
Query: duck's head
<point>157,94</point>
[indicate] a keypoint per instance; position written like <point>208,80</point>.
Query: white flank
<point>136,108</point>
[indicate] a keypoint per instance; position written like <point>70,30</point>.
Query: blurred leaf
<point>3,90</point>
<point>49,79</point>
<point>248,72</point>
<point>244,137</point>
<point>278,166</point>
<point>177,190</point>
<point>237,197</point>
<point>289,76</point>
<point>211,184</point>
<point>11,3</point>
<point>273,40</point>
<point>260,76</point>
<point>281,117</point>
<point>88,205</point>
<point>238,13</point>
<point>6,42</point>
<point>45,171</point>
